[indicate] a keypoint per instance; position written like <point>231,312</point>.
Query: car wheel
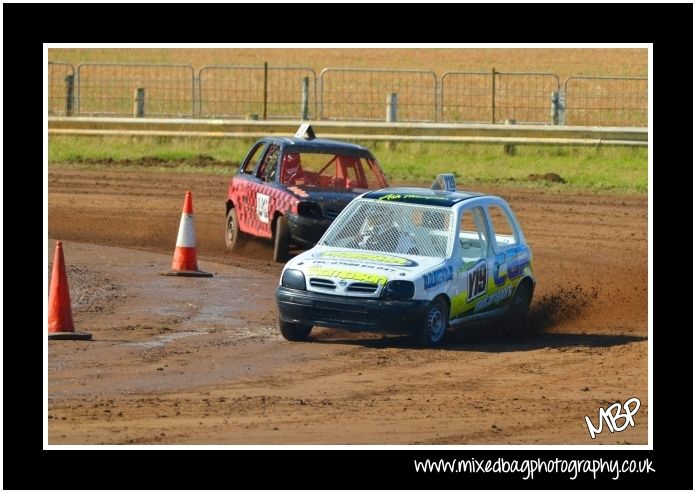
<point>515,323</point>
<point>233,235</point>
<point>294,332</point>
<point>435,323</point>
<point>281,244</point>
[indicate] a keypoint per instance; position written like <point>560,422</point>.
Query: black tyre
<point>233,235</point>
<point>515,322</point>
<point>435,324</point>
<point>294,332</point>
<point>281,240</point>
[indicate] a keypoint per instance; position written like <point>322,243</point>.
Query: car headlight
<point>309,209</point>
<point>293,278</point>
<point>398,290</point>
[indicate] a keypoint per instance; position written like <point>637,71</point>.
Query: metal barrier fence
<point>493,97</point>
<point>115,89</point>
<point>266,93</point>
<point>526,97</point>
<point>606,101</point>
<point>257,91</point>
<point>351,130</point>
<point>361,94</point>
<point>61,87</point>
<point>466,97</point>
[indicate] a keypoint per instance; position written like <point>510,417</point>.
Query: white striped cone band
<point>185,251</point>
<point>187,234</point>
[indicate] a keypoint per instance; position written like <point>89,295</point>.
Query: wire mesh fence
<point>262,92</point>
<point>467,97</point>
<point>606,101</point>
<point>110,89</point>
<point>361,94</point>
<point>525,97</point>
<point>61,86</point>
<point>251,91</point>
<point>494,97</point>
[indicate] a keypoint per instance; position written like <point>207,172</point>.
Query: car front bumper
<point>306,231</point>
<point>342,312</point>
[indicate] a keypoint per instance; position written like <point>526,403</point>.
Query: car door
<point>509,257</point>
<point>266,175</point>
<point>476,261</point>
<point>246,185</point>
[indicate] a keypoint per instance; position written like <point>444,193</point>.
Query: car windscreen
<point>392,227</point>
<point>328,170</point>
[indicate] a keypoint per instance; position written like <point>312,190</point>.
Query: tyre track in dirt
<point>595,241</point>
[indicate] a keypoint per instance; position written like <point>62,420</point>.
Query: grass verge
<point>614,169</point>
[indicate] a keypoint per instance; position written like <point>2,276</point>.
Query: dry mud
<point>200,361</point>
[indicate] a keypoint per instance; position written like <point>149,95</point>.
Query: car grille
<point>318,282</point>
<point>355,287</point>
<point>362,287</point>
<point>339,317</point>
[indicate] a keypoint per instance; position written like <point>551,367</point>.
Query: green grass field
<point>613,169</point>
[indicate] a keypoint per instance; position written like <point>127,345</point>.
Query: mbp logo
<point>613,414</point>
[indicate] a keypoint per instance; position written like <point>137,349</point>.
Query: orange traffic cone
<point>185,263</point>
<point>60,321</point>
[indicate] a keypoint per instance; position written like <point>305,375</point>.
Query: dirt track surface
<point>200,361</point>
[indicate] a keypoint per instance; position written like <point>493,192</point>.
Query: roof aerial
<point>444,181</point>
<point>305,132</point>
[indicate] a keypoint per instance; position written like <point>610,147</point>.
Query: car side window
<point>504,234</point>
<point>267,171</point>
<point>473,238</point>
<point>254,156</point>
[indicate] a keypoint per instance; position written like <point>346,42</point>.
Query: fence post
<point>392,101</point>
<point>510,149</point>
<point>561,108</point>
<point>554,108</point>
<point>265,90</point>
<point>139,103</point>
<point>305,99</point>
<point>493,95</point>
<point>69,94</point>
<point>196,101</point>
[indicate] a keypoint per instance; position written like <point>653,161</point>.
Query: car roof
<point>295,144</point>
<point>424,196</point>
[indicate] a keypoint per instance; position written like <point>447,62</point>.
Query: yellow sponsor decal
<point>347,274</point>
<point>373,257</point>
<point>460,305</point>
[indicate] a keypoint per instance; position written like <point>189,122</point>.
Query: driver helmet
<point>379,223</point>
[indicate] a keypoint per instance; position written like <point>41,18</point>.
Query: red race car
<point>290,189</point>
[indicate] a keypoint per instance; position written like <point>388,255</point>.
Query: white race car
<point>411,260</point>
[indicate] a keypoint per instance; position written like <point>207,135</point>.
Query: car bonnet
<point>361,265</point>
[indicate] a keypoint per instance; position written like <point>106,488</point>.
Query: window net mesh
<point>393,228</point>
